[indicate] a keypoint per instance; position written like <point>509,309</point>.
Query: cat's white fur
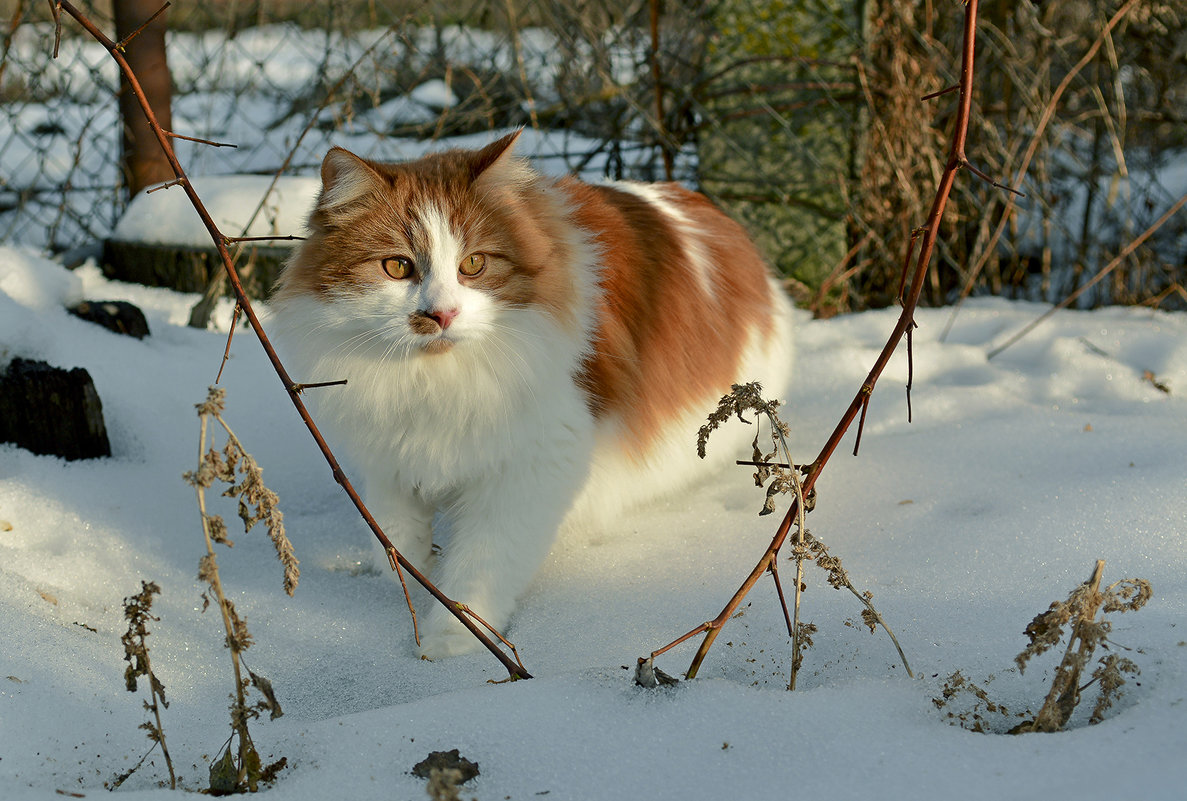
<point>494,436</point>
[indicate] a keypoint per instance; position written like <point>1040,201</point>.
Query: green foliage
<point>776,151</point>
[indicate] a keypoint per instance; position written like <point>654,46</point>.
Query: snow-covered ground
<point>1015,476</point>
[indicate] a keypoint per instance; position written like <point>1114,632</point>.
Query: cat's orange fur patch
<point>663,344</point>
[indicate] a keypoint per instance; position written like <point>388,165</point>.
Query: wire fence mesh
<point>804,118</point>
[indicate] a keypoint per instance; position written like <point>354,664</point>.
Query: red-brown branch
<point>514,669</point>
<point>956,159</point>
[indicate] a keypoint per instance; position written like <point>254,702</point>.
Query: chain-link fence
<point>804,118</point>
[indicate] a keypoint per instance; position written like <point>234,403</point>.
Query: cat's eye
<point>398,267</point>
<point>472,265</point>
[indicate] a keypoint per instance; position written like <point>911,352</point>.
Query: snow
<point>240,205</point>
<point>1015,476</point>
<point>434,94</point>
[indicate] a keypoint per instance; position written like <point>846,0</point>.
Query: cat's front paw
<point>445,636</point>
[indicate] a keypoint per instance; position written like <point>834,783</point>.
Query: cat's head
<point>423,256</point>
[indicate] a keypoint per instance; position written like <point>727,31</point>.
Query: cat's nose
<point>443,317</point>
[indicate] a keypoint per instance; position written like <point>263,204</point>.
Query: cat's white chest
<point>435,423</point>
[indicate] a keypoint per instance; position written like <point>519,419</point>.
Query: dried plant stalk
<point>138,611</point>
<point>242,770</point>
<point>1078,614</point>
<point>1075,618</point>
<point>748,397</point>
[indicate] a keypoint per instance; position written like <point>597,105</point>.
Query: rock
<point>446,760</point>
<point>115,315</point>
<point>52,411</point>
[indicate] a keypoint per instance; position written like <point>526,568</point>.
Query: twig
<point>122,44</point>
<point>910,367</point>
<point>166,185</point>
<point>763,464</point>
<point>968,165</point>
<point>227,348</point>
<point>513,668</point>
<point>517,48</point>
<point>14,23</point>
<point>395,565</point>
<point>210,142</point>
<point>468,611</point>
<point>278,238</point>
<point>948,91</point>
<point>657,78</point>
<point>299,388</point>
<point>55,7</point>
<point>797,651</point>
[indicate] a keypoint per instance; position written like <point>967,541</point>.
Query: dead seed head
<point>137,611</point>
<point>1044,632</point>
<point>245,479</point>
<point>215,401</point>
<point>1077,618</point>
<point>742,398</point>
<point>269,704</point>
<point>1127,595</point>
<point>748,398</point>
<point>1109,680</point>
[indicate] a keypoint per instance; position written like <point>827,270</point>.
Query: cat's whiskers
<point>506,411</point>
<point>511,350</point>
<point>352,346</point>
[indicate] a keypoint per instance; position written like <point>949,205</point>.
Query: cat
<point>518,350</point>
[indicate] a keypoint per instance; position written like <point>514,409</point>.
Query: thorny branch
<point>906,321</point>
<point>514,669</point>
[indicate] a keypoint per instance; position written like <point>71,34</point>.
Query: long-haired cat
<point>518,350</point>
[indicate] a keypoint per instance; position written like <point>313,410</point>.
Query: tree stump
<point>190,269</point>
<point>52,411</point>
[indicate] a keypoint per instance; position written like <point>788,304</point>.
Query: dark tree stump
<point>52,411</point>
<point>190,269</point>
<point>115,315</point>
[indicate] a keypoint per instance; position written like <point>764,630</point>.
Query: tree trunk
<point>142,161</point>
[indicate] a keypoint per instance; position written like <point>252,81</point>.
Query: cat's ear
<point>345,178</point>
<point>497,158</point>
